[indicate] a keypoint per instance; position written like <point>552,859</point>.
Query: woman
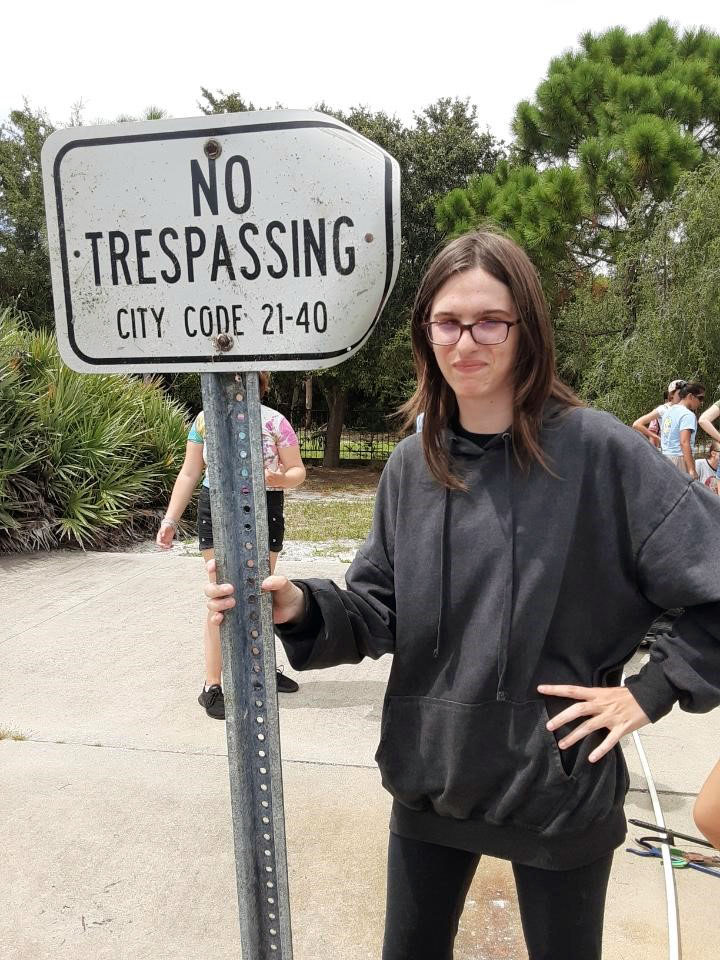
<point>649,423</point>
<point>283,470</point>
<point>679,427</point>
<point>520,548</point>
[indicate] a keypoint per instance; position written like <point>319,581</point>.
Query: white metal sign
<point>254,241</point>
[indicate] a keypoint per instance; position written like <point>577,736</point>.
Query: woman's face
<point>476,371</point>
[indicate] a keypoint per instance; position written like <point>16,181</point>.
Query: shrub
<point>85,460</point>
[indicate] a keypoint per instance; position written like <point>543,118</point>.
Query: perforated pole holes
<point>273,937</point>
<point>259,679</point>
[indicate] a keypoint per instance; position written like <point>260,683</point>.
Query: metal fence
<point>373,440</point>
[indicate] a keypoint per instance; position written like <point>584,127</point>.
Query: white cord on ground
<point>674,949</point>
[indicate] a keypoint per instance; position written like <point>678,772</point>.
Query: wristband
<point>169,520</point>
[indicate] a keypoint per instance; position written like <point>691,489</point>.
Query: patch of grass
<point>333,550</point>
<point>9,733</point>
<point>328,520</point>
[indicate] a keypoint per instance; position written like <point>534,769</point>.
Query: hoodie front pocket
<point>494,761</point>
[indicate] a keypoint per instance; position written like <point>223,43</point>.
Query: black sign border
<point>223,357</point>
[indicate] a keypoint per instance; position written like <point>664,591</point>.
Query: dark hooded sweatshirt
<point>538,576</point>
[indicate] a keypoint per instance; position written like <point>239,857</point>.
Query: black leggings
<point>561,910</point>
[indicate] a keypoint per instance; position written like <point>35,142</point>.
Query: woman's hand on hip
<point>287,599</point>
<point>611,708</point>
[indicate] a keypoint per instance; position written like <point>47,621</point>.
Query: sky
<point>398,57</point>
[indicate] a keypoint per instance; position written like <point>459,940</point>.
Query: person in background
<point>283,470</point>
<point>679,427</point>
<point>706,811</point>
<point>649,426</point>
<point>649,423</point>
<point>707,421</point>
<point>707,468</point>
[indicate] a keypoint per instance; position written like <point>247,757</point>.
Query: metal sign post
<point>233,429</point>
<point>226,245</point>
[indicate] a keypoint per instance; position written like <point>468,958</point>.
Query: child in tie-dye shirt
<point>283,470</point>
<point>277,433</point>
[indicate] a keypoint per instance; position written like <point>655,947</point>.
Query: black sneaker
<point>285,684</point>
<point>213,700</point>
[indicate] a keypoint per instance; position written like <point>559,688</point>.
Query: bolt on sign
<point>226,245</point>
<point>264,240</point>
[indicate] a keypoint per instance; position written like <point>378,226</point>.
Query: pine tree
<point>24,263</point>
<point>612,128</point>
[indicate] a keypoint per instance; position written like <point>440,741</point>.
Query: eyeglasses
<point>445,333</point>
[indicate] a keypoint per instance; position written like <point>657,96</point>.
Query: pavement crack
<point>94,744</point>
<point>329,763</point>
<point>126,747</point>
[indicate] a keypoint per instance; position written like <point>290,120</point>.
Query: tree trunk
<point>336,398</point>
<point>308,402</point>
<point>294,400</point>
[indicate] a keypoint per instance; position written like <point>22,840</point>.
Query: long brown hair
<point>536,380</point>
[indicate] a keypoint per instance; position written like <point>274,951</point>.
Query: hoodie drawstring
<point>506,628</point>
<point>443,571</point>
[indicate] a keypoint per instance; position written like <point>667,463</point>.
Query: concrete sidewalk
<point>114,812</point>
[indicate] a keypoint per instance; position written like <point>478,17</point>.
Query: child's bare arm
<point>707,808</point>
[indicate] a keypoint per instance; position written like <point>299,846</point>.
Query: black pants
<point>561,911</point>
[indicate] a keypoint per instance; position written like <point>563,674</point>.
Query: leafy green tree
<point>544,211</point>
<point>611,129</point>
<point>149,113</point>
<point>24,264</point>
<point>622,351</point>
<point>222,102</point>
